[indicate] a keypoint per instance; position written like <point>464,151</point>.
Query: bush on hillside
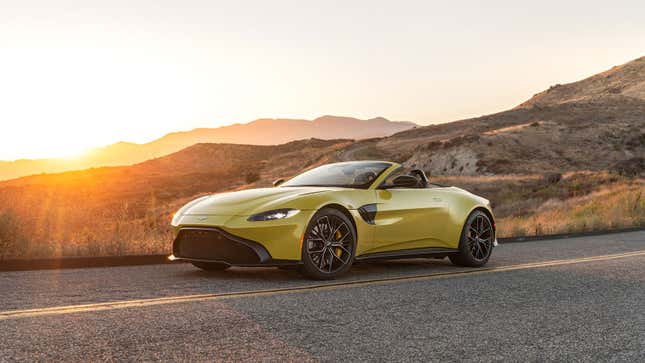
<point>630,167</point>
<point>251,177</point>
<point>9,233</point>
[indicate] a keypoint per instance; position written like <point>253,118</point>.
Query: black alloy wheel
<point>477,239</point>
<point>329,245</point>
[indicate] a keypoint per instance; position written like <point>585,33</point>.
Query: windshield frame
<point>379,177</point>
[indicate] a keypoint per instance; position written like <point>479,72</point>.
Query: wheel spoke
<point>322,226</point>
<point>342,239</point>
<point>322,259</point>
<point>317,232</point>
<point>339,259</point>
<point>337,229</point>
<point>341,247</point>
<point>329,228</point>
<point>486,244</point>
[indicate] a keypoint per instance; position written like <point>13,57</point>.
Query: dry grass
<point>127,211</point>
<point>579,202</point>
<point>607,209</point>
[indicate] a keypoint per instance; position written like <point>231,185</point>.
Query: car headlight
<point>273,215</point>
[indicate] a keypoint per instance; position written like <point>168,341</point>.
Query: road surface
<point>576,299</point>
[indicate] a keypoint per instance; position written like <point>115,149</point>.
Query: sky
<point>80,74</point>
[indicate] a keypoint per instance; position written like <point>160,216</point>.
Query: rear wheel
<point>211,266</point>
<point>476,244</point>
<point>329,245</point>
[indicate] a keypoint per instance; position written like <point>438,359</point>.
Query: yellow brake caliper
<point>339,251</point>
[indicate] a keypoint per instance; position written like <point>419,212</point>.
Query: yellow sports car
<point>324,219</point>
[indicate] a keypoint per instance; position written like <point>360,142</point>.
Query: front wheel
<point>476,244</point>
<point>329,245</point>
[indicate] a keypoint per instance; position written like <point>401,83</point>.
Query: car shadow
<point>359,271</point>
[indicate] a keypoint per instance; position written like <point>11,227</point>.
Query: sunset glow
<point>80,75</point>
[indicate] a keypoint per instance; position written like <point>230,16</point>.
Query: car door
<point>410,218</point>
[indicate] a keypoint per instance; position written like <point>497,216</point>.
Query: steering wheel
<point>364,178</point>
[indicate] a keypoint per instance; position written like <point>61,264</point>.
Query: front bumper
<point>211,244</point>
<point>280,238</point>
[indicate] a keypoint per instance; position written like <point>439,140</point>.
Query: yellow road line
<point>61,310</point>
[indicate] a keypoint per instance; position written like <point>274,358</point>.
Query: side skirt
<point>409,253</point>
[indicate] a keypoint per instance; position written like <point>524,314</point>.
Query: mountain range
<point>258,132</point>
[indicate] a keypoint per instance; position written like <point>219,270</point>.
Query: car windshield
<point>346,175</point>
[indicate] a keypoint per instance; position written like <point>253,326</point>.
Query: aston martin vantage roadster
<point>326,218</point>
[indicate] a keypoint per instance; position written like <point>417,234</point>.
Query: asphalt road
<point>574,299</point>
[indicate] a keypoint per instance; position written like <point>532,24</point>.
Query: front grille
<point>206,244</point>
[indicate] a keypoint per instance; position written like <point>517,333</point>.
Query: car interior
<point>412,179</point>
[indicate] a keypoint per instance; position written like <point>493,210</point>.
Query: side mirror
<point>278,182</point>
<point>405,181</point>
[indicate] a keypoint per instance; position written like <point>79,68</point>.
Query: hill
<point>258,132</point>
<point>625,80</point>
<point>594,124</point>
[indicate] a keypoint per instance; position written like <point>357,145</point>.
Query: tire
<point>329,245</point>
<point>211,266</point>
<point>476,242</point>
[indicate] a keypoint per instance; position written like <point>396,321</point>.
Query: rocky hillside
<point>625,80</point>
<point>594,124</point>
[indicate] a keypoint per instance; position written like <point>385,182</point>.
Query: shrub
<point>433,145</point>
<point>251,177</point>
<point>630,167</point>
<point>518,231</point>
<point>9,234</point>
<point>552,178</point>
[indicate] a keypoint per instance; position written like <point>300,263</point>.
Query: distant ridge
<point>258,132</point>
<point>626,80</point>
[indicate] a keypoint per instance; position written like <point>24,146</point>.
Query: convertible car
<point>325,219</point>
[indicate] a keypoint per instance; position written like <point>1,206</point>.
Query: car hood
<point>247,202</point>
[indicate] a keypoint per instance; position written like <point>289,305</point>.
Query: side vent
<point>368,213</point>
